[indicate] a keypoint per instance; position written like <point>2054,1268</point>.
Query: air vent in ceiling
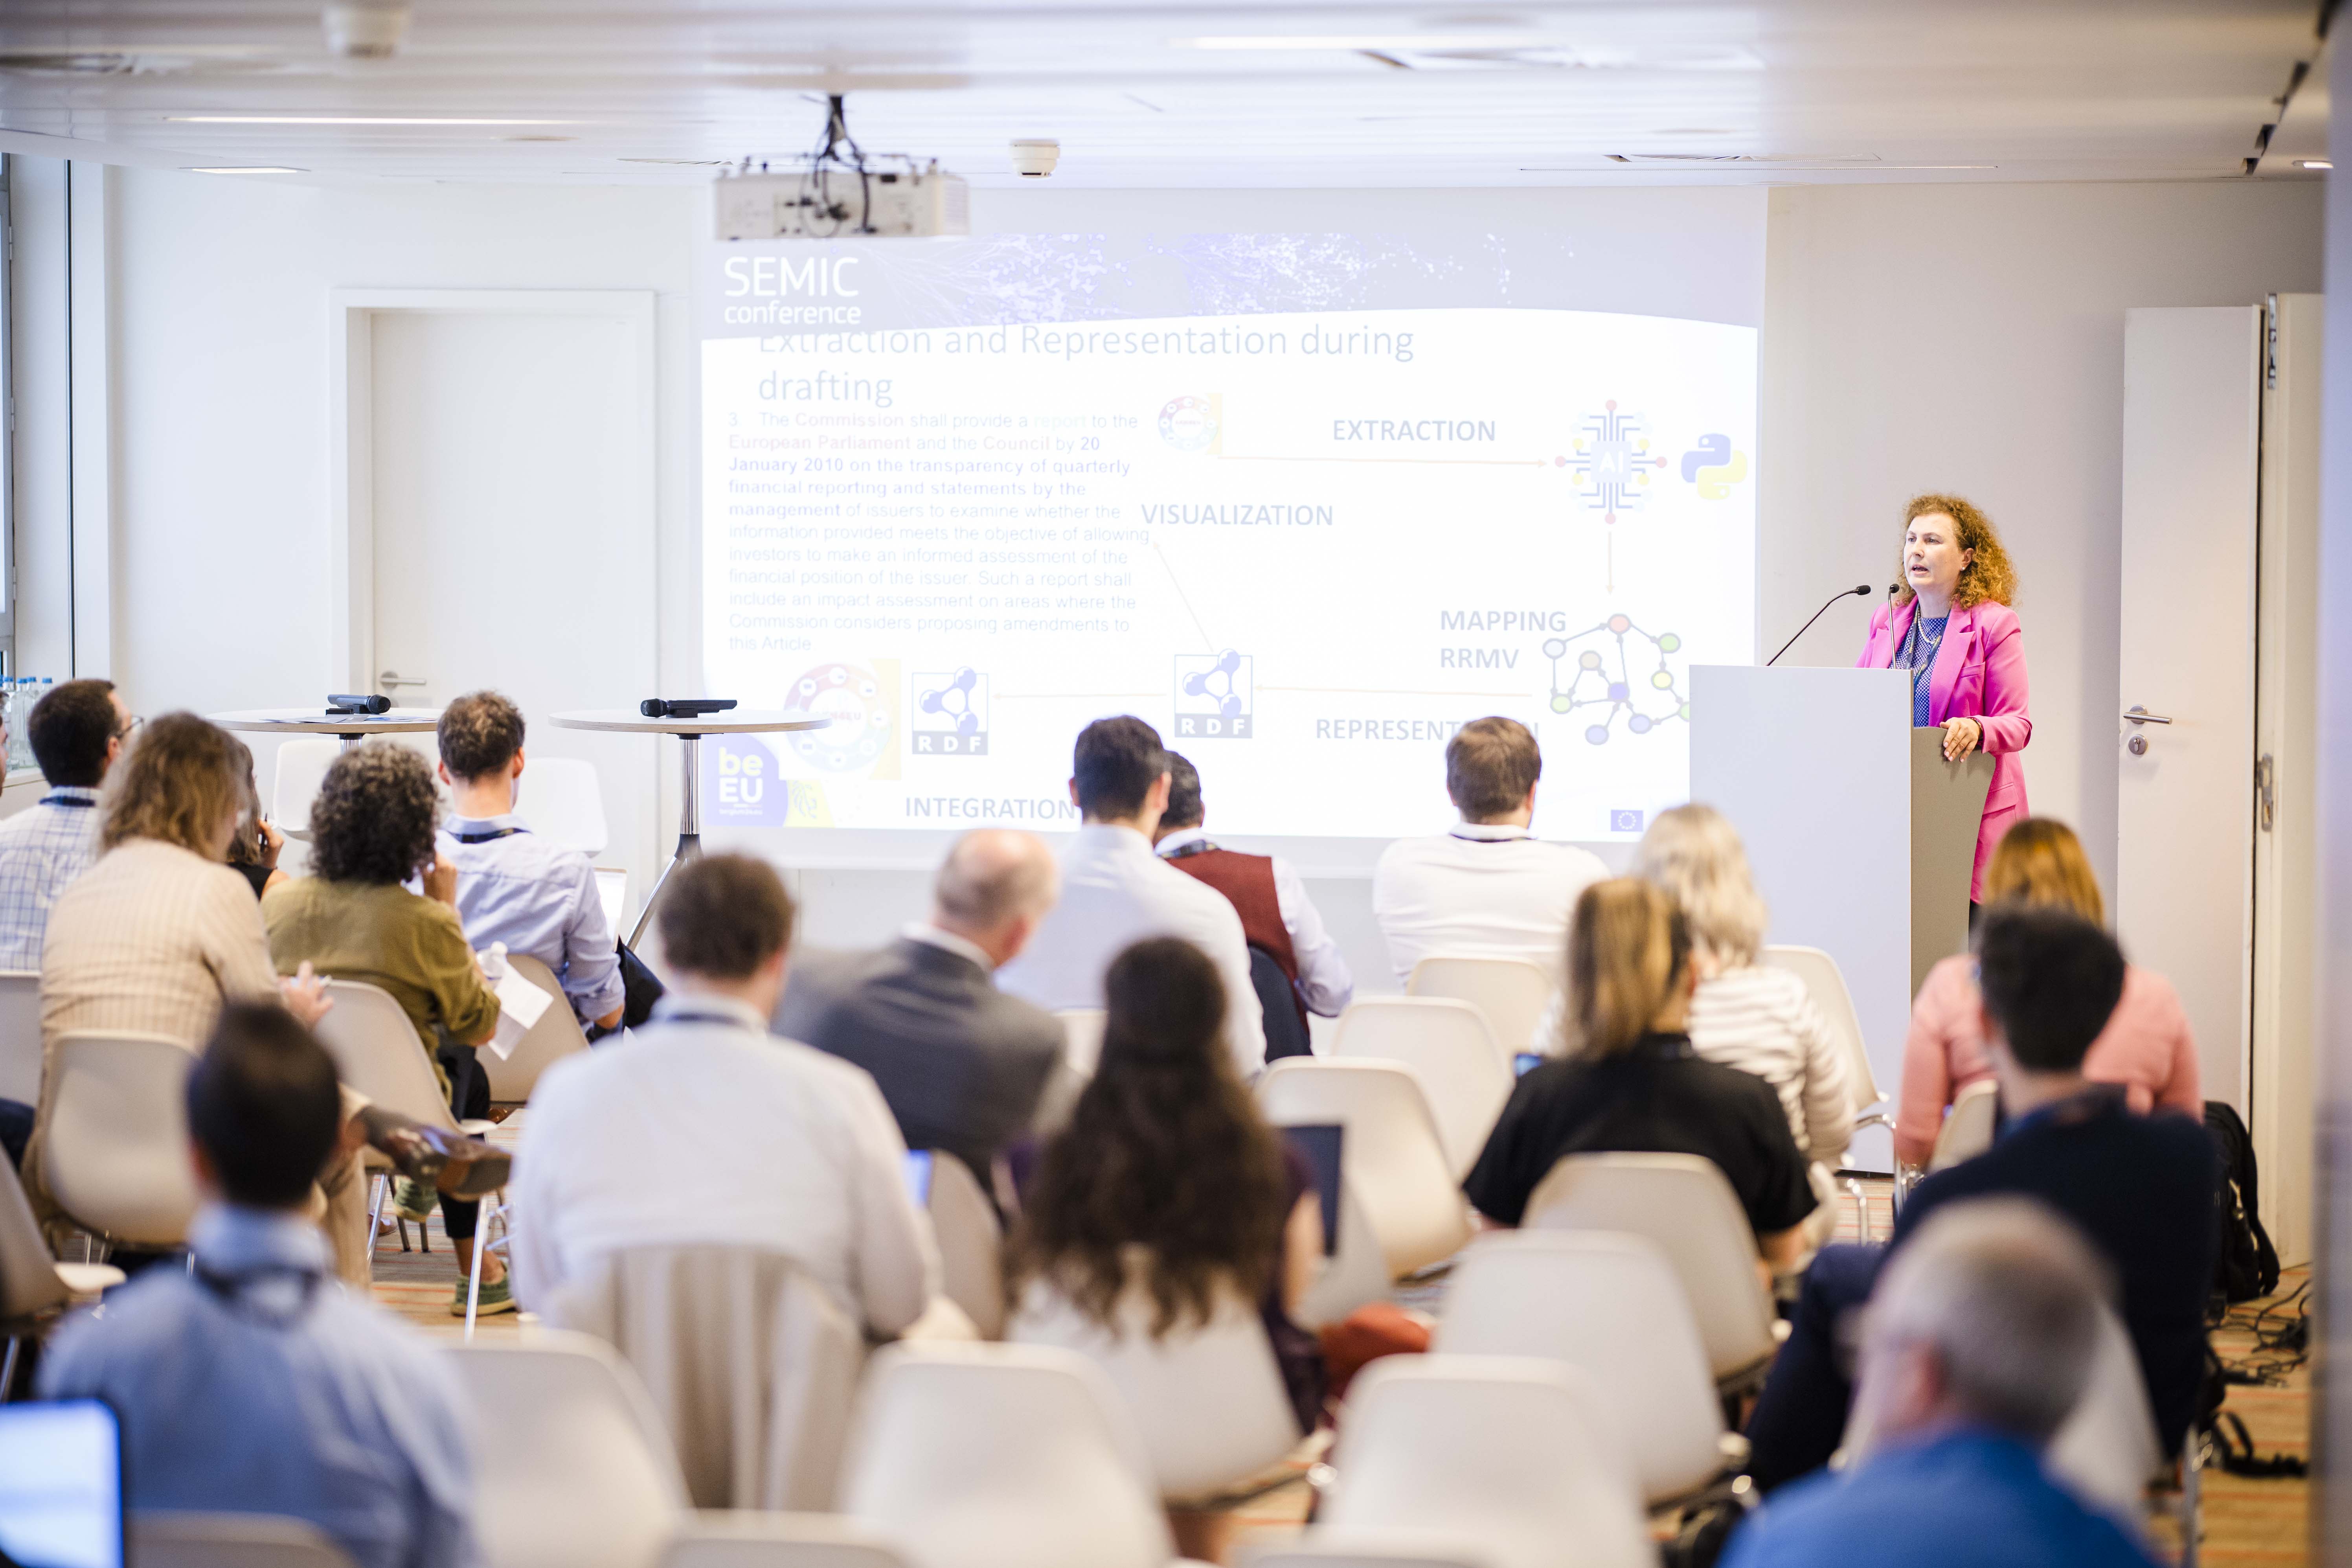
<point>1777,160</point>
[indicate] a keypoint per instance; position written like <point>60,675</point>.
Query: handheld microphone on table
<point>684,707</point>
<point>342,702</point>
<point>1857,589</point>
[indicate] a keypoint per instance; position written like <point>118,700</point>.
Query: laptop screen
<point>60,1485</point>
<point>918,1172</point>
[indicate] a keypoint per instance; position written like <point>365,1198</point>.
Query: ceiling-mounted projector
<point>838,193</point>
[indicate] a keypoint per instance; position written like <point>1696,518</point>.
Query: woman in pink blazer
<point>2145,1048</point>
<point>1950,626</point>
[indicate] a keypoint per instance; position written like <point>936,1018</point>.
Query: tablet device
<point>1320,1146</point>
<point>918,1172</point>
<point>61,1503</point>
<point>1526,1062</point>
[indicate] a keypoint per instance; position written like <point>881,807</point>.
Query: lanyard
<point>230,1288</point>
<point>494,832</point>
<point>72,800</point>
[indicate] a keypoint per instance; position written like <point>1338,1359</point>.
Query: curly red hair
<point>1989,578</point>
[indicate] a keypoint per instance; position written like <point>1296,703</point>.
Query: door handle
<point>2135,714</point>
<point>2266,792</point>
<point>393,677</point>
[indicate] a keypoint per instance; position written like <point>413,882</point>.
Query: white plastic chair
<point>1514,1455</point>
<point>556,1035</point>
<point>1391,1155</point>
<point>1081,1033</point>
<point>564,803</point>
<point>115,1153</point>
<point>1450,1048</point>
<point>303,767</point>
<point>572,1466</point>
<point>746,1539</point>
<point>33,1283</point>
<point>1208,1398</point>
<point>1683,1204</point>
<point>1968,1131</point>
<point>972,1244</point>
<point>978,1455</point>
<point>1512,993</point>
<point>163,1538</point>
<point>1609,1305</point>
<point>1825,983</point>
<point>1328,1547</point>
<point>20,1036</point>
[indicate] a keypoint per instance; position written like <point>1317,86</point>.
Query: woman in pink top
<point>2146,1047</point>
<point>1951,627</point>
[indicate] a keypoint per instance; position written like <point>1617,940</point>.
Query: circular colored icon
<point>1189,424</point>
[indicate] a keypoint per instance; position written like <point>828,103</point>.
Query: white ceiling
<point>1307,94</point>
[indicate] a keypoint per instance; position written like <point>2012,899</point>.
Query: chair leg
<point>375,1219</point>
<point>2192,1509</point>
<point>8,1369</point>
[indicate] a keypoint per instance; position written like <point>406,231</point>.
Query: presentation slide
<point>1307,544</point>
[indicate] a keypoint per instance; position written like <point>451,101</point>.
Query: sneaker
<point>412,1201</point>
<point>497,1296</point>
<point>453,1163</point>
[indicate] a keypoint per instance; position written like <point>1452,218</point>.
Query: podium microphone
<point>1858,589</point>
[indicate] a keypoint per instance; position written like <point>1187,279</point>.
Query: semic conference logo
<point>951,713</point>
<point>1214,696</point>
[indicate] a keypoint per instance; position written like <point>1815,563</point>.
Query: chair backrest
<point>1328,1547</point>
<point>1826,984</point>
<point>1285,1031</point>
<point>115,1155</point>
<point>1511,992</point>
<point>978,1455</point>
<point>972,1244</point>
<point>302,765</point>
<point>571,1468</point>
<point>1081,1033</point>
<point>1448,1046</point>
<point>1355,1273</point>
<point>556,1035</point>
<point>561,800</point>
<point>1684,1205</point>
<point>160,1539</point>
<point>779,1541</point>
<point>28,1273</point>
<point>1513,1454</point>
<point>1208,1398</point>
<point>1609,1305</point>
<point>378,1052</point>
<point>1968,1131</point>
<point>20,1036</point>
<point>750,1365</point>
<point>1391,1156</point>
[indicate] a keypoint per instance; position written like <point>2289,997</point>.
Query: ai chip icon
<point>951,713</point>
<point>1214,697</point>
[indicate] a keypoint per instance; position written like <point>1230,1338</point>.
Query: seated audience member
<point>1278,917</point>
<point>2140,1189</point>
<point>1488,888</point>
<point>253,852</point>
<point>537,897</point>
<point>730,1136</point>
<point>77,730</point>
<point>1978,1343</point>
<point>2146,1047</point>
<point>1115,891</point>
<point>1626,1079</point>
<point>1167,1184</point>
<point>371,830</point>
<point>962,1066</point>
<point>1743,1014</point>
<point>251,1383</point>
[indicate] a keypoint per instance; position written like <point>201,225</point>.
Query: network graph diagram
<point>1610,667</point>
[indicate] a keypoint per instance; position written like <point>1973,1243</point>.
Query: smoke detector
<point>365,29</point>
<point>1035,159</point>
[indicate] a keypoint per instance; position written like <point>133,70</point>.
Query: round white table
<point>690,733</point>
<point>351,728</point>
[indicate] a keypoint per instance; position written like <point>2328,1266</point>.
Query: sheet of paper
<point>520,1005</point>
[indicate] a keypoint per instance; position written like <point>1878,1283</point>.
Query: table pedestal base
<point>689,830</point>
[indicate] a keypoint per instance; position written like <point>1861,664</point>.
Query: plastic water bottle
<point>20,694</point>
<point>494,963</point>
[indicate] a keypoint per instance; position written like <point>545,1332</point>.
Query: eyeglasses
<point>128,725</point>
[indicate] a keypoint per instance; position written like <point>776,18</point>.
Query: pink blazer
<point>1979,674</point>
<point>2146,1047</point>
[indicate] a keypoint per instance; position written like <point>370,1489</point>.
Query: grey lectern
<point>1862,837</point>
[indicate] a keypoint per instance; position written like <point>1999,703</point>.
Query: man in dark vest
<point>1278,921</point>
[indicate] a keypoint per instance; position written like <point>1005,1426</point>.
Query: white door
<point>2184,854</point>
<point>510,515</point>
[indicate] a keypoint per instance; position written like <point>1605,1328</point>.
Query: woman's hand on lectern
<point>1961,736</point>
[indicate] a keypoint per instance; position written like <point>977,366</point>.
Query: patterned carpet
<point>2247,1521</point>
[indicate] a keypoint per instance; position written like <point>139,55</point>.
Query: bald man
<point>963,1066</point>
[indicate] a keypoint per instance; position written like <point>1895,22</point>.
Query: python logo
<point>1714,466</point>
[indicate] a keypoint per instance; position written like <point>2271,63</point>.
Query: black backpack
<point>2246,1266</point>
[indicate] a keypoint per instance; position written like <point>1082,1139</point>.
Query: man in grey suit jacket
<point>963,1066</point>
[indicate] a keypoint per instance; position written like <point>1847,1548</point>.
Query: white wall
<point>1969,339</point>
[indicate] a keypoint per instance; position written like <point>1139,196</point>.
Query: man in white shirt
<point>1278,917</point>
<point>1116,892</point>
<point>705,1128</point>
<point>1488,889</point>
<point>77,730</point>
